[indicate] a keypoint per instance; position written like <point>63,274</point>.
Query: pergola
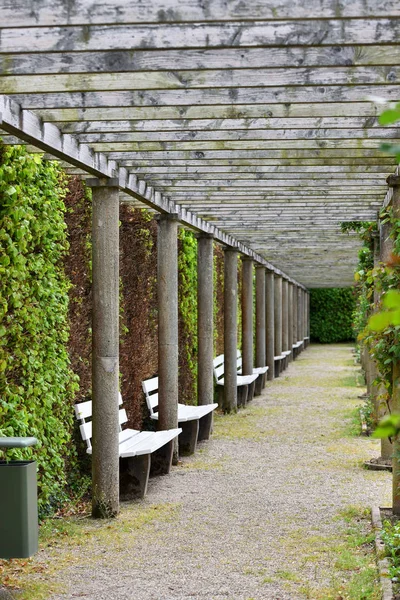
<point>253,123</point>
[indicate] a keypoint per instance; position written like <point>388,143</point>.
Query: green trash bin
<point>18,503</point>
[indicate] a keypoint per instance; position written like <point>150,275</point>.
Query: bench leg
<point>277,369</point>
<point>250,393</point>
<point>242,393</point>
<point>205,427</point>
<point>258,385</point>
<point>188,438</point>
<point>220,396</point>
<point>134,476</point>
<point>161,459</point>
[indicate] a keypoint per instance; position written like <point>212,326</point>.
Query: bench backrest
<point>150,390</point>
<point>219,365</point>
<point>83,412</point>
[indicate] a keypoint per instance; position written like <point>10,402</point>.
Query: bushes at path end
<point>331,311</point>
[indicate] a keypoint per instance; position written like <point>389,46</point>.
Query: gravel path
<point>242,519</point>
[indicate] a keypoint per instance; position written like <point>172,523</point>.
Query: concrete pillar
<point>205,315</point>
<point>299,315</point>
<point>278,314</point>
<point>394,182</point>
<point>260,317</point>
<point>105,347</point>
<point>167,291</point>
<point>270,324</point>
<point>295,338</point>
<point>230,329</point>
<point>285,316</point>
<point>247,316</point>
<point>290,320</point>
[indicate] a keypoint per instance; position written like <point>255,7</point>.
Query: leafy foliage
<point>187,290</point>
<point>37,385</point>
<point>331,313</point>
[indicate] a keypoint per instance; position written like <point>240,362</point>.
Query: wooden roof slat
<point>299,32</point>
<point>17,13</point>
<point>126,61</point>
<point>199,79</point>
<point>235,96</point>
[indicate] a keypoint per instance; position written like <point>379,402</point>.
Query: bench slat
<point>86,428</point>
<point>149,441</point>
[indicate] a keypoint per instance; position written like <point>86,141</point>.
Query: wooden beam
<point>17,13</point>
<point>218,96</point>
<point>310,32</point>
<point>126,61</point>
<point>198,79</point>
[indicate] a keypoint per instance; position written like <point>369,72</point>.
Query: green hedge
<point>331,311</point>
<point>37,386</point>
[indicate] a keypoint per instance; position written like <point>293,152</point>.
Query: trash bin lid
<point>17,442</point>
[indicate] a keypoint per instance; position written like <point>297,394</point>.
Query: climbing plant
<point>187,294</point>
<point>37,385</point>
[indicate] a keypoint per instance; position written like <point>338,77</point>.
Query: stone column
<point>278,319</point>
<point>247,316</point>
<point>295,338</point>
<point>167,292</point>
<point>105,347</point>
<point>205,329</point>
<point>205,316</point>
<point>299,315</point>
<point>270,324</point>
<point>285,316</point>
<point>260,317</point>
<point>394,182</point>
<point>290,320</point>
<point>230,329</point>
<point>382,253</point>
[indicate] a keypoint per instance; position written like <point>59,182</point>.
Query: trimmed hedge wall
<point>331,314</point>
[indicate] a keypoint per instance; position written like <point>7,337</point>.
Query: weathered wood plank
<point>17,13</point>
<point>201,35</point>
<point>208,125</point>
<point>364,108</point>
<point>386,162</point>
<point>217,136</point>
<point>350,154</point>
<point>233,96</point>
<point>252,184</point>
<point>122,61</point>
<point>178,79</point>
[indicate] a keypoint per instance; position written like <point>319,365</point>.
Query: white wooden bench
<point>195,421</point>
<point>261,373</point>
<point>141,452</point>
<point>245,383</point>
<point>306,342</point>
<point>296,348</point>
<point>279,362</point>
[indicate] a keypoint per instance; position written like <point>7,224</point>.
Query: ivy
<point>37,386</point>
<point>187,268</point>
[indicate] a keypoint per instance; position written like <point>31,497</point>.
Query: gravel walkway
<point>242,519</point>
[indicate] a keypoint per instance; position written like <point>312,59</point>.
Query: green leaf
<point>390,116</point>
<point>389,426</point>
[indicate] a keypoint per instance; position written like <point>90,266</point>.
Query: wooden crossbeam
<point>126,61</point>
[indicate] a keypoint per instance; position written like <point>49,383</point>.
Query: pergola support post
<point>290,320</point>
<point>247,316</point>
<point>205,329</point>
<point>299,317</point>
<point>278,321</point>
<point>260,321</point>
<point>230,400</point>
<point>295,322</point>
<point>285,320</point>
<point>105,347</point>
<point>270,324</point>
<point>394,182</point>
<point>167,293</point>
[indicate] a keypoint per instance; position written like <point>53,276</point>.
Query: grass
<point>345,566</point>
<point>68,541</point>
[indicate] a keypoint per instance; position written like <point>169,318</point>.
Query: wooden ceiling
<point>255,120</point>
